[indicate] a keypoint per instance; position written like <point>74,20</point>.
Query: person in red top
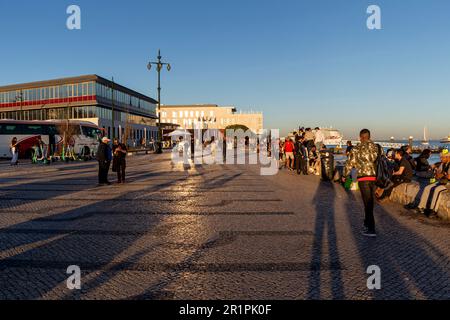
<point>289,149</point>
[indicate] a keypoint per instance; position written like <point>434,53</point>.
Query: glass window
<point>90,88</point>
<point>91,132</point>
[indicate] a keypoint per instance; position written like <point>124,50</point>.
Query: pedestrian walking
<point>14,148</point>
<point>364,157</point>
<point>119,160</point>
<point>104,157</point>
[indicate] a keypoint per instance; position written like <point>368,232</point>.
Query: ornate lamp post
<point>159,66</point>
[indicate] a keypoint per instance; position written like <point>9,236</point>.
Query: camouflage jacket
<point>363,157</point>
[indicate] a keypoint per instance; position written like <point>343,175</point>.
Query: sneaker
<point>428,212</point>
<point>420,211</point>
<point>367,233</point>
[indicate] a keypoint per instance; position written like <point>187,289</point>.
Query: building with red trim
<point>90,98</point>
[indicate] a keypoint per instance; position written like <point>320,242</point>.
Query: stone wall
<point>406,193</point>
<point>444,207</point>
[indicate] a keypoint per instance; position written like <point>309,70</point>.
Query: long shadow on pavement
<point>325,230</point>
<point>408,261</point>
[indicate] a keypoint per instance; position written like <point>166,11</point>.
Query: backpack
<point>383,172</point>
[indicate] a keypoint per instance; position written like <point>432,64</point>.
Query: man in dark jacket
<point>119,160</point>
<point>104,157</point>
<point>300,156</point>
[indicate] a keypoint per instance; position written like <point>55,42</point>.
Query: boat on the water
<point>446,140</point>
<point>425,141</point>
<point>333,137</point>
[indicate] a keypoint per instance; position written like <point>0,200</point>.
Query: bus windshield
<point>91,132</point>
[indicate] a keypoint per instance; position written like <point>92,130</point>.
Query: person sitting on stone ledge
<point>423,167</point>
<point>429,201</point>
<point>403,175</point>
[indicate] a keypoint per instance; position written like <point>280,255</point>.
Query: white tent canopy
<point>178,133</point>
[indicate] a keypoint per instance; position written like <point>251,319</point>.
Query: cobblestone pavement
<point>206,232</point>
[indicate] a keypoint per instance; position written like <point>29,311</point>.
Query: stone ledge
<point>406,193</point>
<point>444,207</point>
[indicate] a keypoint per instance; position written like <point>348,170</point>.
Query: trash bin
<point>159,147</point>
<point>327,165</point>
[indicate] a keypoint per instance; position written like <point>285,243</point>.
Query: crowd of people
<point>302,153</point>
<point>378,174</point>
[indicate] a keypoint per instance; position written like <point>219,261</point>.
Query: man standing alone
<point>363,157</point>
<point>104,157</point>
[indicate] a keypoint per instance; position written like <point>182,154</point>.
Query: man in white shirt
<point>319,138</point>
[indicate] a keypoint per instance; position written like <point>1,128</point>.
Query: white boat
<point>333,137</point>
<point>425,141</point>
<point>446,140</point>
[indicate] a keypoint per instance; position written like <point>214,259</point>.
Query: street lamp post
<point>113,120</point>
<point>112,110</point>
<point>159,65</point>
<point>20,98</point>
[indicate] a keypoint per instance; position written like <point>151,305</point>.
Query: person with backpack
<point>364,158</point>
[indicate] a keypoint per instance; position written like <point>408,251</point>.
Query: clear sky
<point>300,62</point>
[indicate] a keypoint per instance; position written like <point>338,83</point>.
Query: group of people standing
<point>117,155</point>
<point>302,154</point>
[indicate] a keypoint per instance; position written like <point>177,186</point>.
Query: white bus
<point>32,134</point>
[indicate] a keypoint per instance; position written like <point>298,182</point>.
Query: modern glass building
<point>91,98</point>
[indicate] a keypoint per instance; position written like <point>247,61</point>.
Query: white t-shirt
<point>319,137</point>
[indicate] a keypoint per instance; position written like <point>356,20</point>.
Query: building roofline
<point>69,80</point>
<point>206,105</point>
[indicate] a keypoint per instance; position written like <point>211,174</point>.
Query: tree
<point>67,131</point>
<point>128,130</point>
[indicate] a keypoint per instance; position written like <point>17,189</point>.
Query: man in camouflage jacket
<point>363,158</point>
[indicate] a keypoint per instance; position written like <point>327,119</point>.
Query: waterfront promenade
<point>207,232</point>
